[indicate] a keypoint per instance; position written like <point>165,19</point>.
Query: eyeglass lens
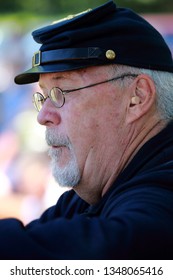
<point>55,95</point>
<point>38,100</point>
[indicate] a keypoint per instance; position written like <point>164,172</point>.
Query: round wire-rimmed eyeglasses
<point>57,95</point>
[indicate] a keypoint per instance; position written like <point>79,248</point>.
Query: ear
<point>142,98</point>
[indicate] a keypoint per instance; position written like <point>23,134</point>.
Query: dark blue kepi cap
<point>104,35</point>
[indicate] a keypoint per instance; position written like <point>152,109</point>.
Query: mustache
<point>55,139</point>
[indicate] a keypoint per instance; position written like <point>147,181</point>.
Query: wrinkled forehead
<point>92,73</point>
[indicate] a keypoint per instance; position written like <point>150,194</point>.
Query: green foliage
<point>148,6</point>
<point>31,13</point>
<point>56,7</point>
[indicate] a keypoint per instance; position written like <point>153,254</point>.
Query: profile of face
<point>86,133</point>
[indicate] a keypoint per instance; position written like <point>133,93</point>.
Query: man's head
<point>99,74</point>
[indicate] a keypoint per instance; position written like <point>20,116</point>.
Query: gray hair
<point>164,87</point>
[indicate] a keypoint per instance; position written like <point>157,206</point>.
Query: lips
<point>58,146</point>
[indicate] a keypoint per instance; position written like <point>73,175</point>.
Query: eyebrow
<point>57,77</point>
<point>54,78</point>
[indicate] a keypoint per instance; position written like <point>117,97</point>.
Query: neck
<point>137,138</point>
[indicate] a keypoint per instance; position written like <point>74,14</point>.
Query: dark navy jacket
<point>134,220</point>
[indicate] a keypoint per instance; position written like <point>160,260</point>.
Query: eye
<point>57,97</point>
<point>55,93</point>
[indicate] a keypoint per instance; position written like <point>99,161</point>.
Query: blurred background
<point>26,184</point>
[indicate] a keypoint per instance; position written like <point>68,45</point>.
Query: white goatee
<point>68,175</point>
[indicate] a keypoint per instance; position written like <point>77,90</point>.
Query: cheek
<point>92,117</point>
<point>102,111</point>
<point>82,126</point>
<point>81,115</point>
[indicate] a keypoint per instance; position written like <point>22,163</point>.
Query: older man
<point>106,98</point>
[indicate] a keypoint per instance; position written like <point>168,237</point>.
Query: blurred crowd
<point>26,184</point>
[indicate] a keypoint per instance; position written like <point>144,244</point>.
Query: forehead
<point>94,73</point>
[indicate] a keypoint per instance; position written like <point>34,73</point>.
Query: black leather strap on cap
<point>54,56</point>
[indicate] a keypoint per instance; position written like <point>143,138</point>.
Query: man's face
<point>86,134</point>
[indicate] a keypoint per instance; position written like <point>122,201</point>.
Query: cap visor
<point>32,75</point>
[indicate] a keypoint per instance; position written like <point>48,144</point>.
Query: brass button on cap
<point>110,54</point>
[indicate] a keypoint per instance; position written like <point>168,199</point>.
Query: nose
<point>49,115</point>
